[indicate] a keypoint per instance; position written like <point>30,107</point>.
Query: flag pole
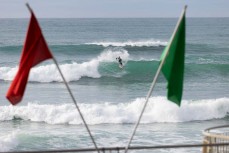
<point>70,92</point>
<point>77,107</point>
<point>154,81</point>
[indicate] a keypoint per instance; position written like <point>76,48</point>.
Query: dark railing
<point>121,149</point>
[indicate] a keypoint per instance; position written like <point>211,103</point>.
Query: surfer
<point>119,61</point>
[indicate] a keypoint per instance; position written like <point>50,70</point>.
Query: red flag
<point>35,51</point>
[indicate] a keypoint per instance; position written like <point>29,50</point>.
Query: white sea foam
<point>72,72</point>
<point>8,141</point>
<point>158,110</point>
<point>140,43</point>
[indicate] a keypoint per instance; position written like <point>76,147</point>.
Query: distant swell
<point>140,43</point>
<point>158,110</point>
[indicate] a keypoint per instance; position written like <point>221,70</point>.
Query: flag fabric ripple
<point>173,68</point>
<point>35,50</point>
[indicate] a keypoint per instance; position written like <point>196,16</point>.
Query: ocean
<point>111,98</point>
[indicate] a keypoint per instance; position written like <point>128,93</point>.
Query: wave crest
<point>72,71</point>
<point>140,43</point>
<point>158,110</point>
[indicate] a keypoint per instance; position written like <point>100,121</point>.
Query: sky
<point>113,8</point>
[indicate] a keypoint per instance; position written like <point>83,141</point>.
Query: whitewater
<point>159,110</point>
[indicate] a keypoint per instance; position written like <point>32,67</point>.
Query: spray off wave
<point>158,110</point>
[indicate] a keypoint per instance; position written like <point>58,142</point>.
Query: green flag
<point>173,68</point>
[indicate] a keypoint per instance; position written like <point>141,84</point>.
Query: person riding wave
<point>119,60</point>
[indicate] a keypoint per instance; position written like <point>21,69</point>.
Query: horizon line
<point>103,17</point>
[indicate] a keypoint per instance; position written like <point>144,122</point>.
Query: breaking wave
<point>159,109</point>
<point>105,66</point>
<point>72,71</point>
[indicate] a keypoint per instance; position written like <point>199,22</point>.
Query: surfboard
<point>120,66</point>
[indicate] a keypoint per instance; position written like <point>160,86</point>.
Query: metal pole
<point>74,101</point>
<point>70,92</point>
<point>154,81</point>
